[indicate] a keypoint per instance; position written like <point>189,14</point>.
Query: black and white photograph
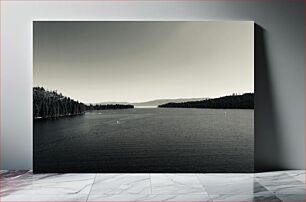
<point>152,101</point>
<point>143,96</point>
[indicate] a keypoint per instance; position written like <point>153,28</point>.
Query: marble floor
<point>270,186</point>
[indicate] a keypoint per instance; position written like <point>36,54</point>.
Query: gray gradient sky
<point>140,61</point>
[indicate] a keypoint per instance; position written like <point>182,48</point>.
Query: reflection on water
<point>144,107</point>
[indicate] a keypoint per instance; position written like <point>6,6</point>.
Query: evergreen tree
<point>235,101</point>
<point>50,104</point>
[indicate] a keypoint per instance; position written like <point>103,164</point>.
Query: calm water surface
<point>146,140</point>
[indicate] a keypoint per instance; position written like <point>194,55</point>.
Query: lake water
<point>147,140</point>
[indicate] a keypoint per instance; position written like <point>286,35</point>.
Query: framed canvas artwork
<point>143,96</point>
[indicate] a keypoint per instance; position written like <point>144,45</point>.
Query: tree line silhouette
<point>245,101</point>
<point>50,104</point>
<point>108,106</point>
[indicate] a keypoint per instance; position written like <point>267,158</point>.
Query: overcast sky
<point>139,61</point>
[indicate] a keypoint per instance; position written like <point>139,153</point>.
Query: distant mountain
<point>164,101</point>
<point>245,101</point>
<point>150,103</point>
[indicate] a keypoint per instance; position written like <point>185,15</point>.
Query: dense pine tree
<point>50,104</point>
<point>245,101</point>
<point>108,106</point>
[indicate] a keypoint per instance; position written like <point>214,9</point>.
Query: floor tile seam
<point>91,187</point>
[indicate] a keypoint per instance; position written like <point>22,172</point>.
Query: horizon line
<point>155,99</point>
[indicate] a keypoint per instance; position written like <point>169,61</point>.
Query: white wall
<point>280,98</point>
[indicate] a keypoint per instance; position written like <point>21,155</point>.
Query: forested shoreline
<point>108,106</point>
<point>245,101</point>
<point>50,104</point>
